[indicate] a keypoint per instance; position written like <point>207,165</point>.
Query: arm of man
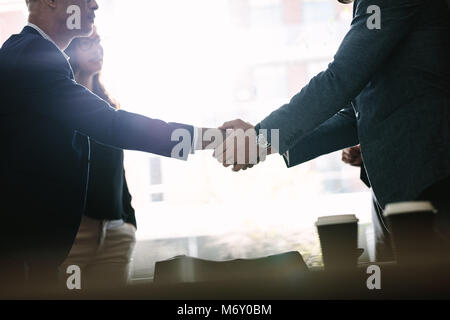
<point>83,111</point>
<point>335,134</point>
<point>360,55</point>
<point>53,96</point>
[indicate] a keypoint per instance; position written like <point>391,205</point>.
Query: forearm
<point>136,132</point>
<point>335,134</point>
<point>82,111</point>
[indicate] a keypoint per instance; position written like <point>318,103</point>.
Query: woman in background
<point>105,241</point>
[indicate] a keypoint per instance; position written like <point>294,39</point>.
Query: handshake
<point>236,143</point>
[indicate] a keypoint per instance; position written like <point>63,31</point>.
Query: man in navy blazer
<point>387,89</point>
<point>46,123</point>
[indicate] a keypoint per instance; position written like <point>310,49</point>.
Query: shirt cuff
<point>196,140</point>
<point>286,158</point>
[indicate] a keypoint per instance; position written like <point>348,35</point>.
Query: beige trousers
<point>103,255</point>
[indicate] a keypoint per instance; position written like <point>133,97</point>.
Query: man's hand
<point>240,148</point>
<point>352,156</point>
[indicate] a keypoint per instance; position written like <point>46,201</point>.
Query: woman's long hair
<point>98,87</point>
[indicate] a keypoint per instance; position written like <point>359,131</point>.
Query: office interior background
<point>205,62</point>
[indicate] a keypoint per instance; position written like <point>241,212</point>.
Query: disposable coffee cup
<point>412,235</point>
<point>338,240</point>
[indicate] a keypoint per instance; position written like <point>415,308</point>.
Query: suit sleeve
<point>359,56</point>
<point>56,97</point>
<point>337,133</point>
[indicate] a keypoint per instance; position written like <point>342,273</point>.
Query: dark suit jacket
<point>108,197</point>
<point>43,163</point>
<point>395,84</point>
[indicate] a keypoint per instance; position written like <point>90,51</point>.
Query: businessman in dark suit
<point>388,89</point>
<point>47,122</point>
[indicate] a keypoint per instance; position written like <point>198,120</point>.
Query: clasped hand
<point>238,147</point>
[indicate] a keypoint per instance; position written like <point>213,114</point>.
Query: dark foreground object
<point>420,282</point>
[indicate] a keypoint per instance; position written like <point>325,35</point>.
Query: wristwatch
<point>262,142</point>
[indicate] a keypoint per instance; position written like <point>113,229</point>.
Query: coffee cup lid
<point>338,219</point>
<point>408,207</point>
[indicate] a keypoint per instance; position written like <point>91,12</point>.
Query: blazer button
<point>358,116</point>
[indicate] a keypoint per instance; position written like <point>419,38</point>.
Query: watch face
<point>262,141</point>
